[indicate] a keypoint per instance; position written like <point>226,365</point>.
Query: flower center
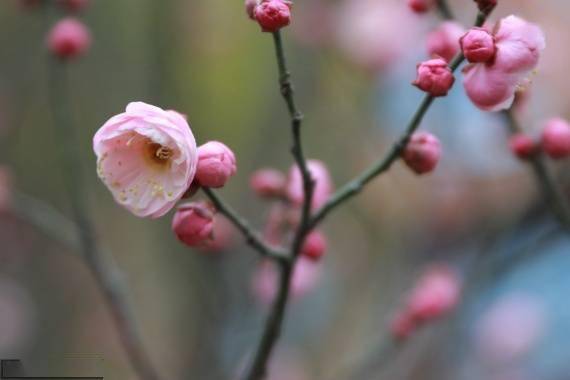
<point>158,154</point>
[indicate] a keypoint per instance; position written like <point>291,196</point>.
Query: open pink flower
<point>492,85</point>
<point>147,158</point>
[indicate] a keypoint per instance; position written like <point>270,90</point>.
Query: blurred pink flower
<point>266,277</point>
<point>323,184</point>
<point>444,40</point>
<point>491,85</point>
<point>147,158</point>
<point>510,328</point>
<point>268,183</point>
<point>435,294</point>
<point>366,32</point>
<point>216,164</point>
<point>314,22</point>
<point>69,38</point>
<point>556,138</point>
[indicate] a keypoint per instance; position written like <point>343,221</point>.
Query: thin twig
<point>274,322</point>
<point>544,178</point>
<point>355,186</point>
<point>107,276</point>
<point>252,237</point>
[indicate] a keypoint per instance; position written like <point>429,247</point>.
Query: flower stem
<point>106,276</point>
<point>252,237</point>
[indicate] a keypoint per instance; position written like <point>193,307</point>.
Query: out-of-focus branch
<point>555,199</point>
<point>252,237</point>
<point>107,277</point>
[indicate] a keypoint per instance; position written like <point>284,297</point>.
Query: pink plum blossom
<point>365,32</point>
<point>444,41</point>
<point>147,158</point>
<point>321,177</point>
<point>491,86</point>
<point>69,38</point>
<point>216,164</point>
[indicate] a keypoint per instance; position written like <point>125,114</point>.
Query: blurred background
<point>200,315</point>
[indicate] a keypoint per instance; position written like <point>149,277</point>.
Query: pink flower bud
<point>315,245</point>
<point>556,138</point>
<point>435,294</point>
<point>73,5</point>
<point>216,164</point>
<point>478,45</point>
<point>422,153</point>
<point>323,184</point>
<point>434,77</point>
<point>69,38</point>
<point>268,183</point>
<point>444,41</point>
<point>523,146</point>
<point>420,6</point>
<point>250,8</point>
<point>273,15</point>
<point>193,223</point>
